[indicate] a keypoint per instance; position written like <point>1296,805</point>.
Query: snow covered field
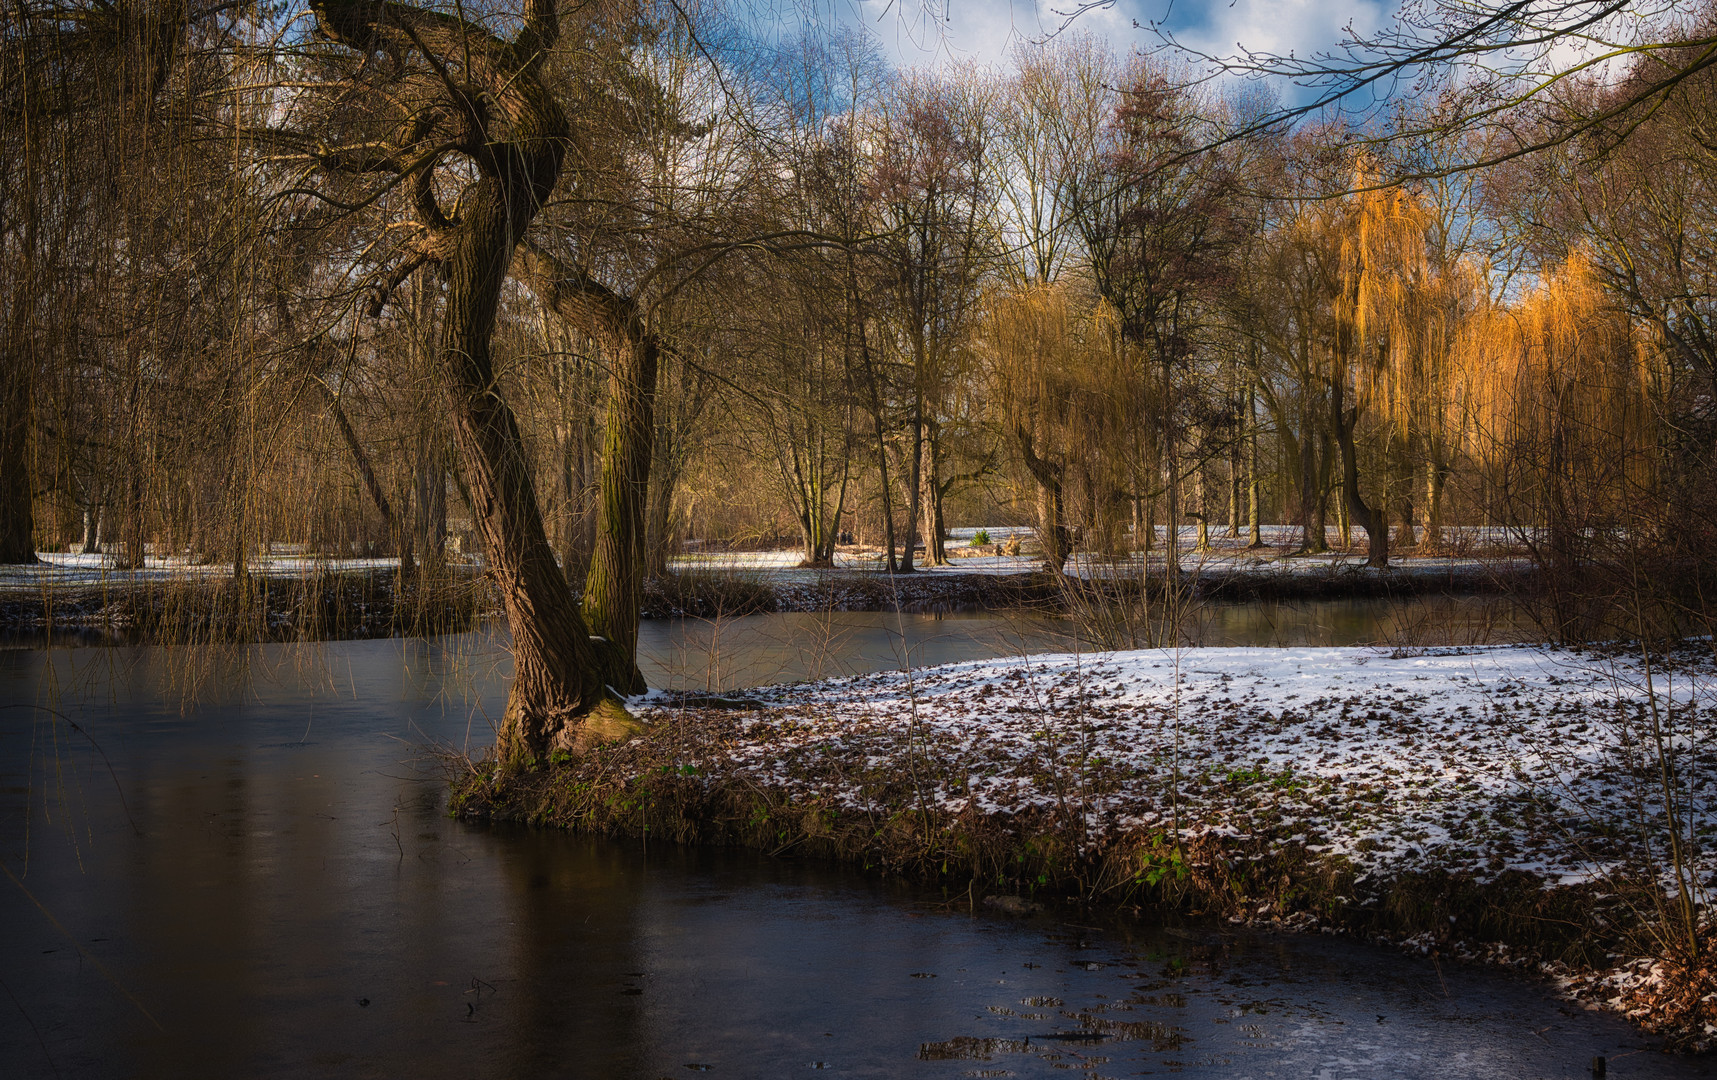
<point>64,571</point>
<point>1226,555</point>
<point>1480,760</point>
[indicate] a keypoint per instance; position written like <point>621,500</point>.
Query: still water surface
<point>262,882</point>
<point>760,649</point>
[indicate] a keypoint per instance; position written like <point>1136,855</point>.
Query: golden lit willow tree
<point>1058,383</point>
<point>446,131</point>
<point>1562,388</point>
<point>1377,293</point>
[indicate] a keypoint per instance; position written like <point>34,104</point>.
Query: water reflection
<point>263,882</point>
<point>757,650</point>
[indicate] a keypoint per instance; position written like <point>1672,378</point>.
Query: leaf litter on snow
<point>1475,760</point>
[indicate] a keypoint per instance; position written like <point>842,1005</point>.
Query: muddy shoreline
<point>1306,799</point>
<point>1024,866</point>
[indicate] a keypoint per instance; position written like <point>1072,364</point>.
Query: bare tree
<point>445,133</point>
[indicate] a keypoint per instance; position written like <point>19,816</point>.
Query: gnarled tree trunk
<point>1052,530</point>
<point>1372,519</point>
<point>613,590</point>
<point>491,107</point>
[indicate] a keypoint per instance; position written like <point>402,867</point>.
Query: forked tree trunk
<point>1404,531</point>
<point>557,698</point>
<point>91,542</point>
<point>1372,519</point>
<point>614,588</point>
<point>557,678</point>
<point>1052,531</point>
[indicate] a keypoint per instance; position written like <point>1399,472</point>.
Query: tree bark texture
<point>1343,421</point>
<point>614,588</point>
<point>513,134</point>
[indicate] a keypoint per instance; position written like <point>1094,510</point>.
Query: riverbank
<point>304,598</point>
<point>1489,803</point>
<point>746,589</point>
<point>298,601</point>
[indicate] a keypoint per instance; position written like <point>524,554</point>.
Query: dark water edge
<point>732,653</point>
<point>315,605</point>
<point>341,605</point>
<point>262,881</point>
<point>719,592</point>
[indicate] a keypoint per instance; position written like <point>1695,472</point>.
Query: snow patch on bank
<point>1479,760</point>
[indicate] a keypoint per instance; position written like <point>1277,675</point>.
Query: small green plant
<point>560,757</point>
<point>981,537</point>
<point>1281,781</point>
<point>1161,861</point>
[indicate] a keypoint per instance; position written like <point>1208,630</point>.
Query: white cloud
<point>930,33</point>
<point>1280,27</point>
<point>924,33</point>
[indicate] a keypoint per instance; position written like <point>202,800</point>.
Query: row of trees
<point>282,274</point>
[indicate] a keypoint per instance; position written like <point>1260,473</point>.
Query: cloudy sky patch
<point>929,33</point>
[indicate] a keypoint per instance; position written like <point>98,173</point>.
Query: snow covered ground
<point>1226,555</point>
<point>1478,759</point>
<point>62,570</point>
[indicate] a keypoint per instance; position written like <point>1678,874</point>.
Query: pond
<point>259,879</point>
<point>754,650</point>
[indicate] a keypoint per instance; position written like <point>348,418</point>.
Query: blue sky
<point>982,30</point>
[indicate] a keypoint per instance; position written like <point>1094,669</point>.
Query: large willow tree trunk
<point>556,677</point>
<point>614,590</point>
<point>513,143</point>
